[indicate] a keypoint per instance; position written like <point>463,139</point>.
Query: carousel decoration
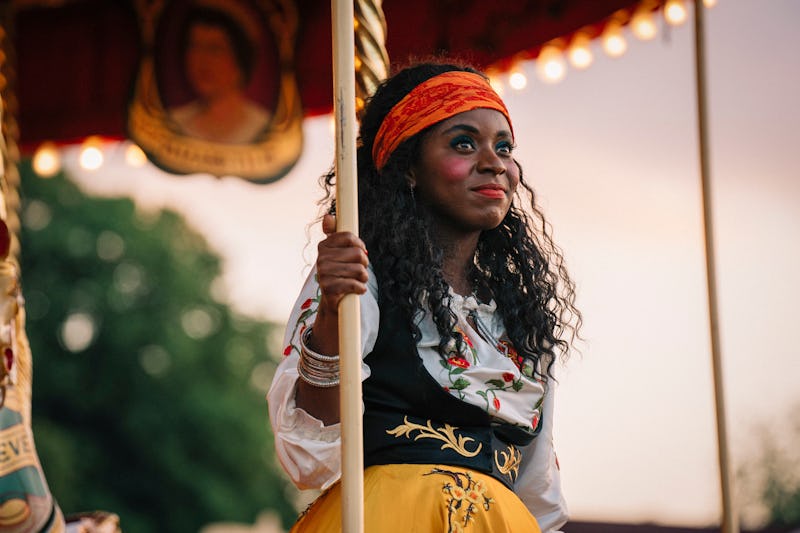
<point>552,60</point>
<point>25,500</point>
<point>221,130</point>
<point>26,503</point>
<point>371,59</point>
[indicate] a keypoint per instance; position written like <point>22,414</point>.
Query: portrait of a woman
<point>218,59</point>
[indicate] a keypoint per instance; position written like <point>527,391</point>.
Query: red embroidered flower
<point>287,350</point>
<point>508,377</point>
<point>447,389</point>
<point>496,403</point>
<point>535,420</point>
<point>459,362</point>
<point>306,304</point>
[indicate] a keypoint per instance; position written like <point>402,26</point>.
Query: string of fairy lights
<point>551,66</point>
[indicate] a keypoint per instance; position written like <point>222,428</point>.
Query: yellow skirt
<point>407,498</point>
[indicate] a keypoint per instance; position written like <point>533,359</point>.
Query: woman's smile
<point>493,191</point>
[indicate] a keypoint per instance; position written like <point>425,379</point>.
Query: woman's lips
<point>491,191</point>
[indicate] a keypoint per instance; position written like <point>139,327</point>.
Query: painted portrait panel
<point>215,92</point>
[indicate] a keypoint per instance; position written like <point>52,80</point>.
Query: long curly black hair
<point>517,264</point>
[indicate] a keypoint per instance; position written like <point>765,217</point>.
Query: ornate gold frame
<point>267,159</point>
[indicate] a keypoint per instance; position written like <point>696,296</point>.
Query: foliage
<point>769,482</point>
<point>780,489</point>
<point>148,393</point>
<point>783,502</point>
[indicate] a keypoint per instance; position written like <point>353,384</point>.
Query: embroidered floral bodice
<point>487,371</point>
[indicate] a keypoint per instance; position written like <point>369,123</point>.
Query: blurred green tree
<point>148,393</point>
<point>779,464</point>
<point>768,479</point>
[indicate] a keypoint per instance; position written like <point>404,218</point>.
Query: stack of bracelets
<point>314,368</point>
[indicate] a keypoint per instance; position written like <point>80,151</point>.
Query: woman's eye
<point>462,143</point>
<point>505,148</point>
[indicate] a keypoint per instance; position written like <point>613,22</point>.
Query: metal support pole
<point>730,523</point>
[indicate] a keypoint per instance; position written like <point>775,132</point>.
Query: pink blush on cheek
<point>454,169</point>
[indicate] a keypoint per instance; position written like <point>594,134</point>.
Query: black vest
<point>410,419</point>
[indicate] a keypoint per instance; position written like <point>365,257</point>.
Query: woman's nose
<point>491,162</point>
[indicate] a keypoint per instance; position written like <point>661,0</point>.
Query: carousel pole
<point>730,522</point>
<point>360,63</point>
<point>344,107</point>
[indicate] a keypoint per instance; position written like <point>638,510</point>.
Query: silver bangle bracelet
<point>314,382</point>
<point>316,369</point>
<point>311,353</point>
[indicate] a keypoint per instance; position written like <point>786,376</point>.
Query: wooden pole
<point>344,106</point>
<point>729,516</point>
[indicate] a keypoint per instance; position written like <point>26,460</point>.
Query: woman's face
<point>211,62</point>
<point>466,176</point>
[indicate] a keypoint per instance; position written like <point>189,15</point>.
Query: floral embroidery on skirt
<point>464,497</point>
<point>424,498</point>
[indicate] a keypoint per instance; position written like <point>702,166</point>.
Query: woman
<point>462,304</point>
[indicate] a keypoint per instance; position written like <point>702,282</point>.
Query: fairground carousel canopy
<point>78,69</point>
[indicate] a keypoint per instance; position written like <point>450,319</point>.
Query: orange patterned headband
<point>432,101</point>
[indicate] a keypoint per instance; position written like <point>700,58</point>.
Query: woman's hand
<point>341,266</point>
<point>341,270</point>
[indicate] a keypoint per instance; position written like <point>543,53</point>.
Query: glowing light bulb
<point>91,156</point>
<point>709,3</point>
<point>46,160</point>
<point>643,24</point>
<point>675,12</point>
<point>517,79</point>
<point>134,156</point>
<point>613,41</point>
<point>550,65</point>
<point>580,54</point>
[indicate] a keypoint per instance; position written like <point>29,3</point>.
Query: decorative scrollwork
<point>446,434</point>
<point>511,462</point>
